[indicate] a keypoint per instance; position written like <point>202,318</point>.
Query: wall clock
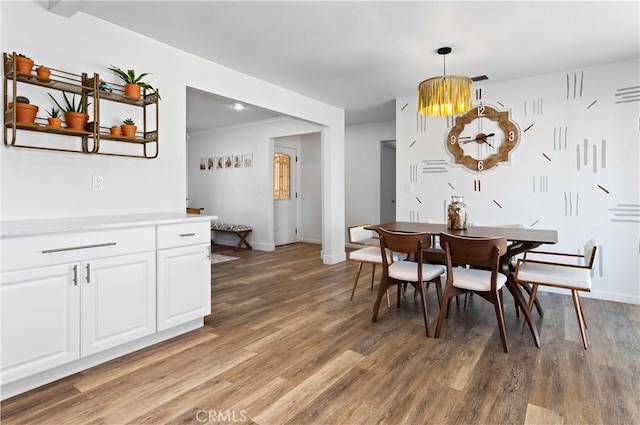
<point>482,137</point>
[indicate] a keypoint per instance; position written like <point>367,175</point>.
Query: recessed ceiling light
<point>238,106</point>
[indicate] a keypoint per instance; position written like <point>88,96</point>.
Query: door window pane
<point>281,176</point>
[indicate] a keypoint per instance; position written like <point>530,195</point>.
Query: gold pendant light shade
<point>445,95</point>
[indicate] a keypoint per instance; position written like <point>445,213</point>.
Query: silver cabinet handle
<point>88,273</point>
<point>187,234</point>
<point>75,275</point>
<point>209,252</point>
<point>72,248</point>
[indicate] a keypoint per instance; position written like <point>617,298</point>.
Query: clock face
<point>482,137</point>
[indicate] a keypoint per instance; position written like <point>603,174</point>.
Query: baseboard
<point>598,295</point>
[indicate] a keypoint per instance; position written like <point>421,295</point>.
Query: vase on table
<point>457,214</point>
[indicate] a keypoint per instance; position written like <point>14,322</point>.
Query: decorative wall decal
<point>545,155</point>
<point>476,185</point>
<point>570,205</point>
<point>592,103</point>
<point>496,202</point>
<point>478,94</point>
<point>600,260</point>
<point>543,183</point>
<point>412,143</point>
<point>405,105</point>
<point>413,173</point>
<point>628,94</point>
<point>418,199</point>
<point>603,156</point>
<point>582,156</point>
<point>435,166</point>
<point>451,186</point>
<point>421,123</point>
<point>414,216</point>
<point>527,129</point>
<point>576,87</point>
<point>559,139</point>
<point>605,190</point>
<point>500,104</point>
<point>626,213</point>
<point>536,107</point>
<point>534,223</point>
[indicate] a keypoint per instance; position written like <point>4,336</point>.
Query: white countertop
<point>17,228</point>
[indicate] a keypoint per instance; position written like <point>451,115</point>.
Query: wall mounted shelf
<point>145,143</point>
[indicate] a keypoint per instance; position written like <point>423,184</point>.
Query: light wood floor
<point>284,345</point>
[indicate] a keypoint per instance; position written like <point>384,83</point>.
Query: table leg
<point>519,298</point>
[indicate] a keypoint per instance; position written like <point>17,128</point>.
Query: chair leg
<point>418,286</point>
<point>400,290</point>
<point>466,299</point>
<point>532,299</point>
<point>584,319</point>
<point>576,304</point>
<point>500,317</point>
<point>356,281</point>
<point>373,275</point>
<point>382,289</point>
<point>444,311</point>
<point>388,301</point>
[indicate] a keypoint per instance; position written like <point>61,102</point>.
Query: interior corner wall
<point>42,184</point>
<point>362,175</point>
<point>575,169</point>
<point>240,195</point>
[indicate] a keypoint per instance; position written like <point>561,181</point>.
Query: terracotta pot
<point>128,130</point>
<point>76,120</point>
<point>132,90</point>
<point>24,64</point>
<point>54,122</point>
<point>43,73</point>
<point>115,131</point>
<point>25,112</point>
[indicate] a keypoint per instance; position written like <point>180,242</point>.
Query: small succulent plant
<point>129,76</point>
<point>22,99</point>
<point>54,112</point>
<point>128,121</point>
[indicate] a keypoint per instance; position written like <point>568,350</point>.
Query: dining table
<point>519,241</point>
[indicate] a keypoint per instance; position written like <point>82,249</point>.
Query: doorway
<point>387,181</point>
<point>285,195</point>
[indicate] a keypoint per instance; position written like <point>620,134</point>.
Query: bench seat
<point>242,230</point>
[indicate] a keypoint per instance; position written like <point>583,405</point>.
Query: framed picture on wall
<point>203,163</point>
<point>228,161</point>
<point>210,163</point>
<point>237,161</point>
<point>219,162</point>
<point>247,160</point>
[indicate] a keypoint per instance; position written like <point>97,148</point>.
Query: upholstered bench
<point>242,230</point>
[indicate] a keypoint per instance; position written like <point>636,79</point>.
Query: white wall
<point>362,179</point>
<point>245,195</point>
<point>46,185</point>
<point>598,198</point>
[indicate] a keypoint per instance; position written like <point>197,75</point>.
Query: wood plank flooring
<point>284,345</point>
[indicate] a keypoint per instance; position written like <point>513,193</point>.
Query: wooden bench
<point>242,230</point>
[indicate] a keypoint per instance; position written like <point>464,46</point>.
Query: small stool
<point>242,230</point>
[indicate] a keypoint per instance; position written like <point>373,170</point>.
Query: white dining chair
<point>543,270</point>
<point>370,254</point>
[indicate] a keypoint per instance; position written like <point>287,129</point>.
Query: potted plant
<point>25,112</point>
<point>23,63</point>
<point>43,73</point>
<point>54,117</point>
<point>133,82</point>
<point>74,114</point>
<point>115,130</point>
<point>128,127</point>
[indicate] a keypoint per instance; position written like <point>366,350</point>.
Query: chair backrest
<point>482,252</point>
<point>590,253</point>
<point>404,243</point>
<point>361,236</point>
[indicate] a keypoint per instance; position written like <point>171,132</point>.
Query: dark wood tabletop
<point>538,236</point>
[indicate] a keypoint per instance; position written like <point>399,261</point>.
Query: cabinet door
<point>184,285</point>
<point>40,320</point>
<point>118,301</point>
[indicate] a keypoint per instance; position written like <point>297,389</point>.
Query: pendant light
<point>444,95</point>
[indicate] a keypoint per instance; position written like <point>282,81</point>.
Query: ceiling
<point>362,55</point>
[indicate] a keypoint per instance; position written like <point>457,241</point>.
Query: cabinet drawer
<point>38,251</point>
<point>183,234</point>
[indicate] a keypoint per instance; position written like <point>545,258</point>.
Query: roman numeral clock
<point>482,137</point>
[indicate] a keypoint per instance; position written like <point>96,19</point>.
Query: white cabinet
<point>118,301</point>
<point>40,327</point>
<point>54,314</point>
<point>184,273</point>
